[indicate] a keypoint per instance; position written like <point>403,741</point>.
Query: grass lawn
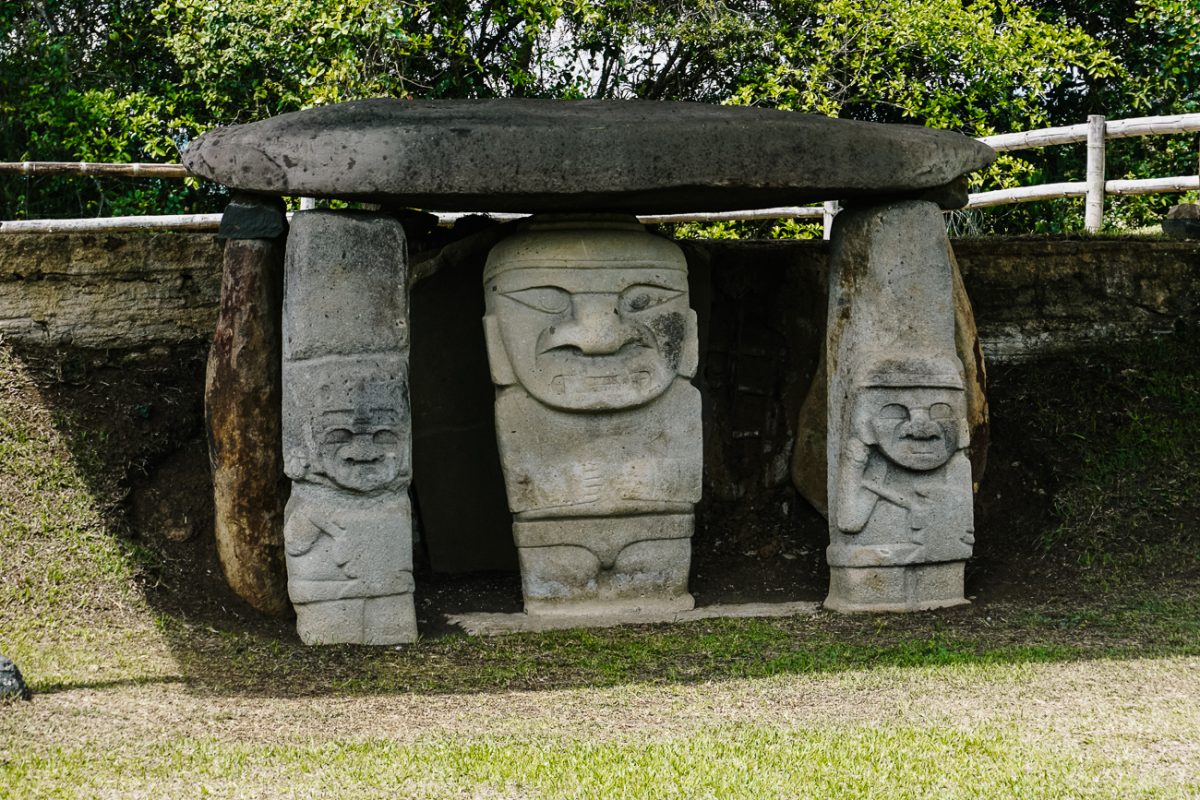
<point>1075,673</point>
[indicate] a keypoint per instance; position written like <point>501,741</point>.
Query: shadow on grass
<point>58,687</point>
<point>1064,570</point>
<point>233,662</point>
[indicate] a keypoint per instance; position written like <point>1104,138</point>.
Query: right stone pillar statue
<point>592,345</point>
<point>900,495</point>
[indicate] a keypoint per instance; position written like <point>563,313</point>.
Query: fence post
<point>1093,218</point>
<point>832,207</point>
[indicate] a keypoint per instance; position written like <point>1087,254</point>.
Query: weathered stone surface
<point>591,344</point>
<point>126,290</point>
<point>899,480</point>
<point>344,296</point>
<point>12,684</point>
<point>350,565</point>
<point>1040,297</point>
<point>587,155</point>
<point>241,395</point>
<point>1183,222</point>
<point>253,217</point>
<point>484,623</point>
<point>1032,296</point>
<point>347,429</point>
<point>808,468</point>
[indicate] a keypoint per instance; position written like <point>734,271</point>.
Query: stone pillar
<point>592,346</point>
<point>241,402</point>
<point>347,429</point>
<point>900,502</point>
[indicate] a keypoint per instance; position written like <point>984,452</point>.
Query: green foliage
<point>981,68</point>
<point>129,80</point>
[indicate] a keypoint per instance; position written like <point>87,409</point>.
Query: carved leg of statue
<point>900,499</point>
<point>598,568</point>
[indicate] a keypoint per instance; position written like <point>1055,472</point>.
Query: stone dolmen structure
<point>591,341</point>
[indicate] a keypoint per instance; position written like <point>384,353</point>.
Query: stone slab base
<point>582,566</point>
<point>359,620</point>
<point>633,607</point>
<point>915,587</point>
<point>493,624</point>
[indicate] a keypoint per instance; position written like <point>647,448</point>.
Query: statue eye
<point>941,411</point>
<point>893,411</point>
<point>338,436</point>
<point>546,299</point>
<point>641,297</point>
<point>385,436</point>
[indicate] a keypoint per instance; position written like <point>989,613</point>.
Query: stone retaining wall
<point>761,313</point>
<point>1031,296</point>
<point>1039,296</point>
<point>109,291</point>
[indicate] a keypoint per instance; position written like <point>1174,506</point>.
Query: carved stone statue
<point>902,472</point>
<point>900,515</point>
<point>592,344</point>
<point>347,430</point>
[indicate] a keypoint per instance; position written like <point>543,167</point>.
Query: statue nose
<point>595,327</point>
<point>920,426</point>
<point>360,450</point>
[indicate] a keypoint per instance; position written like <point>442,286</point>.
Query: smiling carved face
<point>357,453</point>
<point>915,427</point>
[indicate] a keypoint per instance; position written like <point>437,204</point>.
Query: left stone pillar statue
<point>347,429</point>
<point>241,400</point>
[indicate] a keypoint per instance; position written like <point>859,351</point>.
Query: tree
<point>126,80</point>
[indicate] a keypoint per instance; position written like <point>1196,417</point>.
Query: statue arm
<point>857,490</point>
<point>304,530</point>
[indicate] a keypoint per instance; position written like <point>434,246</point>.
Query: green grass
<point>1084,695</point>
<point>734,762</point>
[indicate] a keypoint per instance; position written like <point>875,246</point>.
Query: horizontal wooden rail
<point>1114,129</point>
<point>169,222</point>
<point>1027,194</point>
<point>210,222</point>
<point>784,212</point>
<point>1021,194</point>
<point>93,168</point>
<point>1055,191</point>
<point>1183,183</point>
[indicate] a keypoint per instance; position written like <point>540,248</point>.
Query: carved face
<point>594,338</point>
<point>359,453</point>
<point>915,427</point>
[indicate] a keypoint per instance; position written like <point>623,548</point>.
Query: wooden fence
<point>1096,131</point>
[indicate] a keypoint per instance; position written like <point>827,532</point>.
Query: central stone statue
<point>592,345</point>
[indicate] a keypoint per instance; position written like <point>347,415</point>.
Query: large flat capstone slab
<point>522,155</point>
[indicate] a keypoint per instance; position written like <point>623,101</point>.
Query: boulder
<point>12,685</point>
<point>523,155</point>
<point>1183,222</point>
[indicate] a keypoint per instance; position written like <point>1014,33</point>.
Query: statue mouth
<point>564,385</point>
